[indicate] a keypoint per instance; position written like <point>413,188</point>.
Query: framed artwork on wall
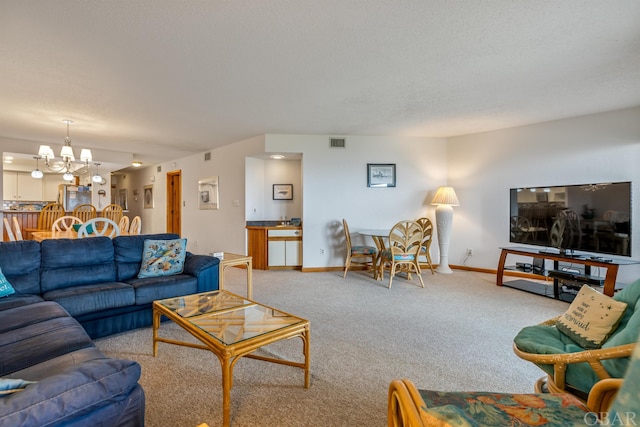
<point>148,196</point>
<point>282,191</point>
<point>381,174</point>
<point>208,193</point>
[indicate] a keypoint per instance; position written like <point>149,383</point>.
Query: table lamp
<point>445,198</point>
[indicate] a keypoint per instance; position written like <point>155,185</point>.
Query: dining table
<point>39,236</point>
<point>379,236</point>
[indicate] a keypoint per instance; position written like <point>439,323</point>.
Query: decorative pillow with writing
<point>163,257</point>
<point>5,286</point>
<point>591,318</point>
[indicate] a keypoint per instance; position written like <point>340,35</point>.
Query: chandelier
<point>67,162</point>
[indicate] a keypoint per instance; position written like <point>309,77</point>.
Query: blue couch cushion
<point>36,333</point>
<point>72,262</point>
<point>20,263</point>
<point>154,288</point>
<point>63,398</point>
<point>128,253</point>
<point>79,300</point>
<point>17,300</point>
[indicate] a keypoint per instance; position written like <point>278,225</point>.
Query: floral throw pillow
<point>163,257</point>
<point>5,286</point>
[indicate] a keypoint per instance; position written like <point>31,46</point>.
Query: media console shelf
<point>588,261</point>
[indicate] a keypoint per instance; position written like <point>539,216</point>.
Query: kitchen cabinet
<point>284,248</point>
<point>21,186</point>
<point>51,182</point>
<point>275,247</point>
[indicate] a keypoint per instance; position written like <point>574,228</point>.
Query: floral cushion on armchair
<point>502,409</point>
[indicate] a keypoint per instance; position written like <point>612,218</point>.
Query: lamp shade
<point>85,155</point>
<point>445,196</point>
<point>67,153</point>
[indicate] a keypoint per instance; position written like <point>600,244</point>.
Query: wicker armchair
<point>571,368</point>
<point>410,407</point>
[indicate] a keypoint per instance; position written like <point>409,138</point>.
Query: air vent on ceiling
<point>337,142</point>
<point>207,156</point>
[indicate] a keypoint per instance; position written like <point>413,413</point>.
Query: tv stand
<point>608,283</point>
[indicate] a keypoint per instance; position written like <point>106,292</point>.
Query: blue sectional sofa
<point>95,279</point>
<point>66,293</point>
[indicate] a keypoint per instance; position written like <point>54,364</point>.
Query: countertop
<point>272,224</point>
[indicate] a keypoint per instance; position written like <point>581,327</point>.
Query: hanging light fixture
<point>66,164</point>
<point>37,173</point>
<point>97,178</point>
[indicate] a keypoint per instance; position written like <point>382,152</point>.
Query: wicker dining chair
<point>85,212</point>
<point>369,253</point>
<point>65,223</point>
<point>405,241</point>
<point>113,212</point>
<point>427,239</point>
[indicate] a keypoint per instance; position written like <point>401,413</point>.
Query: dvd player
<point>576,277</point>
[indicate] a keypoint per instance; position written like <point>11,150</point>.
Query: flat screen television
<point>590,217</point>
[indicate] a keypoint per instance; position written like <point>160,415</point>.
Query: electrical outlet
<point>469,251</point>
<point>322,251</point>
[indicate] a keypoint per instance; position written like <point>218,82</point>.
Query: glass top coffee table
<point>231,327</point>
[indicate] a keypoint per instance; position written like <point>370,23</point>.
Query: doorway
<point>174,201</point>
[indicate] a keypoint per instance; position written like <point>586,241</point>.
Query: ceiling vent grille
<point>337,143</point>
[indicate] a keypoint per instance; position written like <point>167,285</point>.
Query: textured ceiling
<point>166,78</point>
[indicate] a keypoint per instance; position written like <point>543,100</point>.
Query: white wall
<point>261,176</point>
<point>482,167</point>
<point>206,230</point>
<point>335,187</point>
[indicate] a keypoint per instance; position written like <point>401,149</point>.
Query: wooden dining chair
<point>65,223</point>
<point>7,228</point>
<point>427,239</point>
<point>124,223</point>
<point>99,227</point>
<point>136,225</point>
<point>48,216</point>
<point>369,253</point>
<point>112,212</point>
<point>85,212</point>
<point>17,229</point>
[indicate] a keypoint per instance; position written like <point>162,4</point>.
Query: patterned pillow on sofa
<point>163,257</point>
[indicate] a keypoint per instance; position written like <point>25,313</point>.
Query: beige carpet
<point>455,334</point>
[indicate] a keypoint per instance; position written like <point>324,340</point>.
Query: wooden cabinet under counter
<point>275,247</point>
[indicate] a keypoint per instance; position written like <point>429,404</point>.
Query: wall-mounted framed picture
<point>208,193</point>
<point>381,174</point>
<point>122,198</point>
<point>148,196</point>
<point>282,191</point>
